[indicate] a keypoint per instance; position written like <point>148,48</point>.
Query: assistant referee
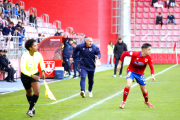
<point>30,75</point>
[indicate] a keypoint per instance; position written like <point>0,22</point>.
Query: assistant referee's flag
<point>174,46</point>
<point>48,92</point>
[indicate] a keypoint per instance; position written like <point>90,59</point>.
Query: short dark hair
<point>19,22</point>
<point>119,38</point>
<point>29,43</point>
<point>11,23</point>
<point>70,39</point>
<point>39,34</point>
<point>159,13</point>
<point>146,45</point>
<point>17,28</point>
<point>75,43</point>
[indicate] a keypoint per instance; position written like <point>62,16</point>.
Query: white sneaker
<point>34,110</point>
<point>30,113</point>
<point>90,94</point>
<point>120,75</point>
<point>70,76</point>
<point>82,94</point>
<point>114,75</point>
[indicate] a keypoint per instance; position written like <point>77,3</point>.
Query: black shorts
<point>26,80</point>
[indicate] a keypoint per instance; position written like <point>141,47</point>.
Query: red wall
<point>92,17</point>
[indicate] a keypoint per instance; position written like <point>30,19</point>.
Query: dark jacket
<point>32,19</point>
<point>3,64</point>
<point>23,30</point>
<point>22,13</point>
<point>158,18</point>
<point>5,6</point>
<point>76,57</point>
<point>170,17</point>
<point>57,34</point>
<point>87,56</point>
<point>119,48</point>
<point>68,48</point>
<point>20,39</point>
<point>7,30</point>
<point>6,60</point>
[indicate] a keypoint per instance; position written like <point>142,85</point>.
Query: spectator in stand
<point>153,1</point>
<point>68,48</point>
<point>172,3</point>
<point>23,29</point>
<point>17,33</point>
<point>58,33</point>
<point>156,5</point>
<point>9,4</point>
<point>8,30</point>
<point>159,19</point>
<point>14,11</point>
<point>22,13</point>
<point>32,19</point>
<point>39,39</point>
<point>167,4</point>
<point>18,25</point>
<point>5,4</point>
<point>6,12</point>
<point>170,19</point>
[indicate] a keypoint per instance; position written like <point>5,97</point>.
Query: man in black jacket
<point>119,48</point>
<point>159,19</point>
<point>5,67</point>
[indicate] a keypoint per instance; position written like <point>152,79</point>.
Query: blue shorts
<point>139,78</point>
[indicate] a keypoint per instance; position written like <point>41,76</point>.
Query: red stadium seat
<point>164,21</point>
<point>132,21</point>
<point>169,38</point>
<point>156,45</point>
<point>146,10</point>
<point>135,10</point>
<point>146,16</point>
<point>148,0</point>
<point>139,27</point>
<point>138,33</point>
<point>150,38</point>
<point>132,44</point>
<point>157,33</point>
<point>132,31</point>
<point>177,10</point>
<point>132,16</point>
<point>176,33</point>
<point>136,5</point>
<point>171,10</point>
<point>152,21</point>
<point>137,45</point>
<point>142,0</point>
<point>159,10</point>
<point>138,39</point>
<point>163,39</point>
<point>144,33</point>
<point>165,10</point>
<point>164,27</point>
<point>152,16</point>
<point>146,21</point>
<point>132,39</point>
<point>132,26</point>
<point>145,27</point>
<point>170,27</point>
<point>169,45</point>
<point>177,21</point>
<point>141,4</point>
<point>140,16</point>
<point>147,4</point>
<point>141,10</point>
<point>165,16</point>
<point>139,21</point>
<point>163,45</point>
<point>158,27</point>
<point>153,10</point>
<point>163,33</point>
<point>177,16</point>
<point>170,33</point>
<point>157,39</point>
<point>136,0</point>
<point>151,27</point>
<point>151,32</point>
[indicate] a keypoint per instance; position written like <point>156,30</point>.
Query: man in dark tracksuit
<point>4,66</point>
<point>76,61</point>
<point>68,48</point>
<point>119,48</point>
<point>88,53</point>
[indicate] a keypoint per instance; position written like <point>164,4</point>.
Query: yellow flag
<point>48,92</point>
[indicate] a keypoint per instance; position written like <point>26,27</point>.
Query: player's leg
<point>145,94</point>
<point>82,82</point>
<point>91,82</point>
<point>120,73</point>
<point>115,67</point>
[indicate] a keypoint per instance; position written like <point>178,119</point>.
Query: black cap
<point>0,50</point>
<point>5,50</point>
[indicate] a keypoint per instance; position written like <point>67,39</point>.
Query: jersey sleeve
<point>23,66</point>
<point>127,53</point>
<point>150,63</point>
<point>41,61</point>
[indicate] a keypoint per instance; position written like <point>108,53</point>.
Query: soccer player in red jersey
<point>136,68</point>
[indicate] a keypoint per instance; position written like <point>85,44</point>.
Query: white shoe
<point>114,75</point>
<point>120,75</point>
<point>70,76</point>
<point>82,94</point>
<point>90,94</point>
<point>30,113</point>
<point>34,110</point>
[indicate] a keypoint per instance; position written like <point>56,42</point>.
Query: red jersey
<point>138,62</point>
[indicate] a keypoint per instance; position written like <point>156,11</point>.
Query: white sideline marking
<point>98,103</point>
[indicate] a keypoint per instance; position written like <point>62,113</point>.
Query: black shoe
<point>14,81</point>
<point>5,78</point>
<point>8,81</point>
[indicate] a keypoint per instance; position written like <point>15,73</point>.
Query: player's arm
<point>126,53</point>
<point>97,53</point>
<point>152,69</point>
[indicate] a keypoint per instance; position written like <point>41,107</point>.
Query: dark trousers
<point>90,79</point>
<point>10,73</point>
<point>157,22</point>
<point>67,65</point>
<point>115,67</point>
<point>75,67</point>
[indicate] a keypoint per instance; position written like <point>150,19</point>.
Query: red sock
<point>145,96</point>
<point>125,94</point>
